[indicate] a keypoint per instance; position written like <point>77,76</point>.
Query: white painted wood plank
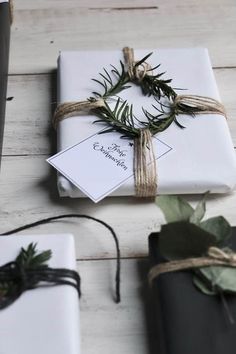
<point>28,127</point>
<point>39,34</point>
<point>106,327</point>
<point>28,193</point>
<point>28,121</point>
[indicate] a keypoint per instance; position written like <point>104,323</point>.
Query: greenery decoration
<point>188,235</point>
<point>121,118</point>
<point>28,271</point>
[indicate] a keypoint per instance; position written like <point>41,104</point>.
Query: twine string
<point>215,257</point>
<point>200,104</point>
<point>145,175</point>
<point>136,72</point>
<point>30,278</point>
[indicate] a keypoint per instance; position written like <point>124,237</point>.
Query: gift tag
<point>101,163</point>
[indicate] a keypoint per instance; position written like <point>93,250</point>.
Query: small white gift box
<point>46,319</point>
<point>202,156</point>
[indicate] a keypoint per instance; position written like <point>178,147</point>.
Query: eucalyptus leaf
<point>222,278</point>
<point>182,239</point>
<point>219,227</point>
<point>199,212</point>
<point>174,208</point>
<point>202,286</point>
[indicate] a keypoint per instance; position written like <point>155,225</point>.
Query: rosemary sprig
<point>111,88</point>
<point>121,118</point>
<point>28,271</point>
<point>153,85</point>
<point>28,258</point>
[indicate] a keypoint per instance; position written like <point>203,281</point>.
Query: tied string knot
<point>16,278</point>
<point>222,255</point>
<point>135,70</point>
<point>215,257</point>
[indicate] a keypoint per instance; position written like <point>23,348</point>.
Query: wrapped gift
<point>4,54</point>
<point>44,319</point>
<point>187,320</point>
<point>201,156</point>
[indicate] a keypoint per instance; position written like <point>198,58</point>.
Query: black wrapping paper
<point>188,321</point>
<point>4,56</point>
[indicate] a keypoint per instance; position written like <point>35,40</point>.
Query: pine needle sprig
<point>120,119</point>
<point>30,257</point>
<point>110,87</point>
<point>155,85</point>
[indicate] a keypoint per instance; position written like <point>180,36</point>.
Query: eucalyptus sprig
<point>187,235</point>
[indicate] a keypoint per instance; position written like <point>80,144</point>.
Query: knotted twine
<point>145,169</point>
<point>215,257</point>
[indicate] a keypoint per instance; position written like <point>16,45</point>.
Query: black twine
<point>18,279</point>
<point>81,216</point>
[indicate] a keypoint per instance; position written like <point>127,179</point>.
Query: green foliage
<point>30,257</point>
<point>190,242</point>
<point>121,119</point>
<point>186,235</point>
<point>174,208</point>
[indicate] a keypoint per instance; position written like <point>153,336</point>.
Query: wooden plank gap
<point>224,67</point>
<point>111,258</point>
<point>123,8</point>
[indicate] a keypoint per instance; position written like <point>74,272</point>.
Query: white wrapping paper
<point>202,156</point>
<point>43,320</point>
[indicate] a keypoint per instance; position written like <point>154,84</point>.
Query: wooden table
<point>28,185</point>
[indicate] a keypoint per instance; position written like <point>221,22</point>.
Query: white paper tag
<point>101,163</point>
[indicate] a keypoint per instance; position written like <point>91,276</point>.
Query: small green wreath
<point>121,117</point>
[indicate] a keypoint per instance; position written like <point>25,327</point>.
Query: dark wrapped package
<point>188,321</point>
<point>4,56</point>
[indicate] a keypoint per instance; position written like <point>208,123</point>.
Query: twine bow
<point>215,257</point>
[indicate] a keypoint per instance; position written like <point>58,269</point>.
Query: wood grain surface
<point>28,185</point>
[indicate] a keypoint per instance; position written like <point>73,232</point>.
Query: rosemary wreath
<point>121,118</point>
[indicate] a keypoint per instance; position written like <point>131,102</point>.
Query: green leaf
<point>221,278</point>
<point>199,212</point>
<point>219,227</point>
<point>174,208</point>
<point>30,257</point>
<point>180,240</point>
<point>202,286</point>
